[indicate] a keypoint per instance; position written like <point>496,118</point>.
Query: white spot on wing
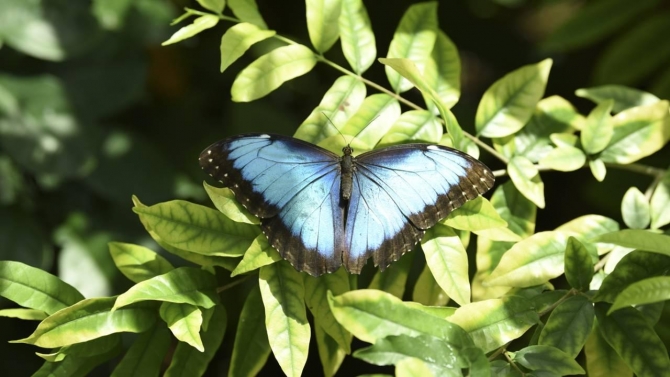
<point>432,147</point>
<point>264,136</point>
<point>210,160</point>
<point>209,151</point>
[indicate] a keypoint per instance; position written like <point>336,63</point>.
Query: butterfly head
<point>347,150</point>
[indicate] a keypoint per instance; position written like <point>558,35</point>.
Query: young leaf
<point>146,354</point>
<point>33,288</point>
<point>476,214</point>
<point>199,24</point>
<point>598,169</point>
<point>598,130</point>
<point>564,159</point>
<point>547,358</point>
<point>427,291</point>
<point>183,285</point>
<point>638,132</point>
<point>633,267</point>
<point>639,239</point>
<point>283,295</point>
<point>414,125</point>
<point>623,96</point>
<point>371,315</point>
<point>443,72</point>
<point>448,262</point>
<point>341,102</point>
<point>187,361</point>
<point>197,228</point>
<point>373,119</point>
<point>393,280</point>
<point>527,179</point>
<point>578,265</point>
<point>634,339</point>
<point>213,5</point>
<point>356,36</point>
<point>247,11</point>
<point>647,291</point>
<point>224,200</point>
<point>601,359</point>
<point>635,209</point>
<point>533,261</point>
<point>322,23</point>
<point>271,70</point>
<point>492,323</point>
<point>184,320</point>
<point>89,319</point>
<point>660,203</point>
<point>316,299</point>
<point>330,353</point>
<point>251,348</point>
<point>138,263</point>
<point>414,40</point>
<point>25,314</point>
<point>259,254</point>
<point>237,40</point>
<point>569,325</point>
<point>509,103</point>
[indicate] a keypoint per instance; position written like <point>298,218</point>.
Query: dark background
<point>138,115</point>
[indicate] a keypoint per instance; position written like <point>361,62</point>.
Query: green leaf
<point>645,42</point>
<point>515,209</point>
<point>111,14</point>
<point>547,358</point>
<point>443,72</point>
<point>251,348</point>
<point>413,39</point>
<point>89,319</point>
<point>237,40</point>
<point>89,348</point>
<point>322,23</point>
<point>33,288</point>
<point>356,36</point>
<point>184,320</point>
<point>635,209</point>
<point>639,239</point>
<point>601,359</point>
<point>569,325</point>
<point>216,6</point>
<point>189,362</point>
<point>598,169</point>
<point>647,291</point>
<point>183,285</point>
<point>393,279</point>
<point>26,314</point>
<point>340,103</point>
<point>75,366</point>
<point>271,70</point>
<point>632,268</point>
<point>476,214</point>
<point>533,261</point>
<point>138,263</point>
<point>492,323</point>
<point>412,367</point>
<point>247,11</point>
<point>578,265</point>
<point>594,22</point>
<point>598,130</point>
<point>527,179</point>
<point>623,96</point>
<point>199,24</point>
<point>283,292</point>
<point>638,132</point>
<point>660,203</point>
<point>372,315</point>
<point>448,262</point>
<point>586,228</point>
<point>330,353</point>
<point>259,254</point>
<point>414,125</point>
<point>146,354</point>
<point>489,254</point>
<point>427,291</point>
<point>197,228</point>
<point>564,159</point>
<point>224,200</point>
<point>509,103</point>
<point>316,298</point>
<point>634,339</point>
<point>441,357</point>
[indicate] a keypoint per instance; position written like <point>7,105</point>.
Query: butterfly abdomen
<point>347,165</point>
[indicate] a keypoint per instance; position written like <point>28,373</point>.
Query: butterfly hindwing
<point>293,186</point>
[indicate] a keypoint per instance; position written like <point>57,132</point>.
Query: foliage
<point>538,298</point>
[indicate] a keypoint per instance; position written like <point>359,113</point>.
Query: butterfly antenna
<point>336,129</point>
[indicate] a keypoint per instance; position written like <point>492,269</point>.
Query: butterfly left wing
<point>293,186</point>
<point>399,192</point>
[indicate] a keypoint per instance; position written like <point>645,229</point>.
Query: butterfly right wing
<point>293,186</point>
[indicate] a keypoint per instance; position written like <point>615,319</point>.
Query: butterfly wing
<point>399,192</point>
<point>293,187</point>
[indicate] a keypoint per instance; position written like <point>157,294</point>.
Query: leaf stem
<point>233,283</point>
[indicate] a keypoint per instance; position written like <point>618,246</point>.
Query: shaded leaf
<point>146,354</point>
<point>547,358</point>
<point>633,267</point>
<point>623,96</point>
<point>251,348</point>
<point>601,359</point>
<point>330,353</point>
<point>647,291</point>
<point>316,298</point>
<point>660,203</point>
<point>138,263</point>
<point>569,325</point>
<point>578,265</point>
<point>427,291</point>
<point>393,279</point>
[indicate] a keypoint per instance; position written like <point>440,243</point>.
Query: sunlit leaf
<point>259,254</point>
<point>412,367</point>
<point>25,314</point>
<point>443,71</point>
<point>237,40</point>
<point>598,130</point>
<point>414,125</point>
<point>247,11</point>
<point>358,40</point>
<point>322,23</point>
<point>448,262</point>
<point>639,239</point>
<point>527,179</point>
<point>213,5</point>
<point>660,203</point>
<point>138,263</point>
<point>623,96</point>
<point>224,200</point>
<point>564,159</point>
<point>598,169</point>
<point>476,214</point>
<point>635,209</point>
<point>647,291</point>
<point>184,320</point>
<point>199,24</point>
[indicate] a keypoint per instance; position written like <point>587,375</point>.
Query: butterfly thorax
<point>347,165</point>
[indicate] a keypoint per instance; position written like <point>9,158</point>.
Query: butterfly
<point>321,211</point>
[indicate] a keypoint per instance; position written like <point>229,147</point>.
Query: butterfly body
<point>321,210</point>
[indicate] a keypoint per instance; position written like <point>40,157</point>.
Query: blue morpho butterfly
<point>321,210</point>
